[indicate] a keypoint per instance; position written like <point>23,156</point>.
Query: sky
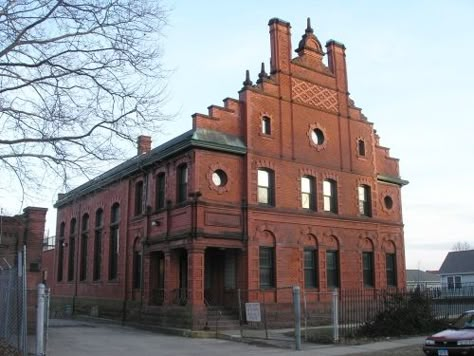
<point>410,69</point>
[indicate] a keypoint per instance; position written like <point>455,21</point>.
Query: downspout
<point>125,278</point>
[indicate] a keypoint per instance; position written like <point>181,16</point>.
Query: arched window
<point>72,250</point>
<point>182,183</point>
<point>266,186</point>
<point>99,225</point>
<point>114,241</point>
<point>59,276</point>
<point>332,268</point>
<point>84,243</point>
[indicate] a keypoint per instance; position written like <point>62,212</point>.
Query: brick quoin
<point>178,254</point>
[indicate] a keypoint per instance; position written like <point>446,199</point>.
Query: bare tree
<point>461,246</point>
<point>77,78</point>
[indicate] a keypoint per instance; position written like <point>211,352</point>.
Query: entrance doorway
<point>220,276</point>
<point>157,277</point>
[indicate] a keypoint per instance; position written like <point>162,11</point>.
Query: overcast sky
<point>410,68</point>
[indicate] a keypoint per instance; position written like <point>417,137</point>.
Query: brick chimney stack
<point>144,144</point>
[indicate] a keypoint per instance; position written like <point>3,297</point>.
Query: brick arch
<point>310,240</point>
<point>265,235</point>
<point>389,246</point>
<point>366,243</point>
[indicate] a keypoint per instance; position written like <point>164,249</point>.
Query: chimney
<point>280,43</point>
<point>144,144</point>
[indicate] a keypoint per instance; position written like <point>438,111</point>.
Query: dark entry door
<point>219,275</point>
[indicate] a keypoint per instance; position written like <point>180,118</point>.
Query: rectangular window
<point>265,187</point>
<point>454,282</point>
<point>332,269</point>
<point>160,191</point>
<point>97,254</point>
<point>182,183</point>
<point>310,268</point>
<point>139,198</point>
<point>308,196</point>
<point>368,268</point>
<point>266,127</point>
<point>137,269</point>
<point>267,267</point>
<point>330,196</point>
<point>365,208</point>
<point>391,269</point>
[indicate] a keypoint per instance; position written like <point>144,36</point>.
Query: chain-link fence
<point>13,323</point>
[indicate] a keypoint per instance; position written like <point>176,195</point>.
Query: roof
<point>458,262</point>
<point>196,138</point>
<point>416,275</point>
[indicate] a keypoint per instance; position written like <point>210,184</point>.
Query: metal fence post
<point>239,300</point>
<point>335,316</point>
<point>297,309</point>
<point>40,320</point>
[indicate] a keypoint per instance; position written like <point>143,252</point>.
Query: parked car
<point>458,339</point>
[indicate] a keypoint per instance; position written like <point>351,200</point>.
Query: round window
<point>317,136</point>
<point>388,202</point>
<point>219,178</point>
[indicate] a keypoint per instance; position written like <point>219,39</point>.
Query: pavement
<point>78,338</point>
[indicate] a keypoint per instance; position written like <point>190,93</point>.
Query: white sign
<point>252,312</point>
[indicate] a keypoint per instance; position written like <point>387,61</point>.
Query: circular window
<point>219,178</point>
<point>317,136</point>
<point>388,202</point>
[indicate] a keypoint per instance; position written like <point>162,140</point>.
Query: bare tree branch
<point>77,80</point>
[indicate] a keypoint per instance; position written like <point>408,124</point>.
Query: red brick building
<point>285,185</point>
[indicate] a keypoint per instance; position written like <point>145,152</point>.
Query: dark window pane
<point>391,270</point>
<point>332,269</point>
<point>97,254</point>
<point>139,198</point>
<point>310,268</point>
<point>160,191</point>
<point>267,267</point>
<point>368,266</point>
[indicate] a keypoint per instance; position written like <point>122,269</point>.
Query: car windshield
<point>465,321</point>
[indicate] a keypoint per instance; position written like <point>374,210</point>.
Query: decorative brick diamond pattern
<point>314,95</point>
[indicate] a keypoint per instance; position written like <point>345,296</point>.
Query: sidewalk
<point>329,349</point>
<point>85,338</point>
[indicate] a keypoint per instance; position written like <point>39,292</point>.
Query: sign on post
<point>252,312</point>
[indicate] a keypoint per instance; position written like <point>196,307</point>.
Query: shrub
<point>403,314</point>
